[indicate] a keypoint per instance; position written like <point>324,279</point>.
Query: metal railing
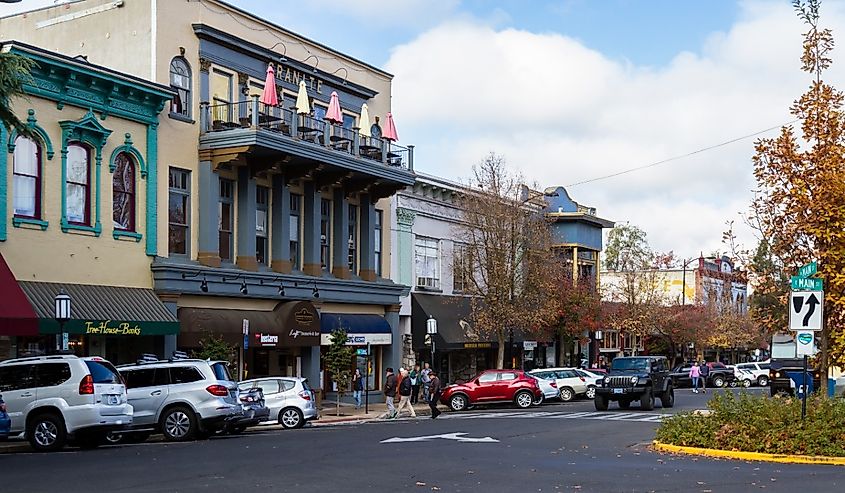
<point>253,114</point>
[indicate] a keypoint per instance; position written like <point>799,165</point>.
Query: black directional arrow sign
<point>805,310</point>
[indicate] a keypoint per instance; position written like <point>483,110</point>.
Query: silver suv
<point>53,399</point>
<point>180,398</point>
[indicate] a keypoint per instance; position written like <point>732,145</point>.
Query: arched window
<point>123,193</point>
<point>27,179</point>
<point>78,185</point>
<point>180,81</point>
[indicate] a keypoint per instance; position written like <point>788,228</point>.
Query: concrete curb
<point>753,456</point>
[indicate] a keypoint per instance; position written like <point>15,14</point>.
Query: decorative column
<point>367,253</point>
<point>205,86</point>
<point>152,189</point>
<point>340,235</point>
<point>405,245</point>
<point>3,174</point>
<point>208,183</point>
<point>246,220</point>
<point>280,229</point>
<point>311,230</point>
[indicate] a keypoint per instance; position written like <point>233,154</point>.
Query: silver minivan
<point>290,399</point>
<point>180,398</point>
<point>61,398</point>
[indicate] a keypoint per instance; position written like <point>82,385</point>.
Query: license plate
<point>113,400</point>
<point>618,391</point>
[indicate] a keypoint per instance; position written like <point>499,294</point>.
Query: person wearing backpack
<point>390,393</point>
<point>405,389</point>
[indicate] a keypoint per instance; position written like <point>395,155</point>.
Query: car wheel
<point>46,433</point>
<point>567,394</point>
<point>733,384</point>
<point>458,402</point>
<point>624,404</point>
<point>178,424</point>
<point>600,402</point>
<point>746,383</point>
<point>591,392</point>
<point>539,400</point>
<point>667,399</point>
<point>115,438</point>
<point>647,400</point>
<point>523,399</point>
<point>291,417</point>
<point>718,382</point>
<point>762,381</point>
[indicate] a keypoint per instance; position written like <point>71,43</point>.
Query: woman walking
<point>357,387</point>
<point>694,374</point>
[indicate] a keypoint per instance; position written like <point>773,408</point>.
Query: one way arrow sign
<point>805,310</point>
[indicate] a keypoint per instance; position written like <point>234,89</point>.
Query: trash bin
<point>831,387</point>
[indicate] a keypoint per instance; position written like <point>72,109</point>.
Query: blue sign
<point>246,341</point>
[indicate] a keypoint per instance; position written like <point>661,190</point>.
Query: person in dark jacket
<point>389,393</point>
<point>357,387</point>
<point>705,374</point>
<point>405,394</point>
<point>435,390</point>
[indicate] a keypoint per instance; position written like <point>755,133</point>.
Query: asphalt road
<point>556,447</point>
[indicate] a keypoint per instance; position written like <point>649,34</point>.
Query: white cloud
<point>382,14</point>
<point>562,112</point>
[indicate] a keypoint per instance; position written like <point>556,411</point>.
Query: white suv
<point>53,399</point>
<point>181,398</point>
<point>760,370</point>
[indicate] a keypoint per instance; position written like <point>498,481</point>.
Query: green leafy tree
<point>338,359</point>
<point>214,348</point>
<point>14,73</point>
<point>627,249</point>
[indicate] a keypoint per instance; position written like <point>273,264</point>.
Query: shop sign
<point>109,328</point>
<point>478,345</point>
<point>359,339</point>
<point>529,345</point>
<point>300,324</point>
<point>267,339</point>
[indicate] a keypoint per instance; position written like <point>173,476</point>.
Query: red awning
<point>17,317</point>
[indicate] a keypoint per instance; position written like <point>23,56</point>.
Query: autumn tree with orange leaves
<point>799,207</point>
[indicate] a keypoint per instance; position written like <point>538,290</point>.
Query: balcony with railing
<point>255,124</point>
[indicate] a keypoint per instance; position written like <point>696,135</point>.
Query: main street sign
<point>808,269</point>
<point>805,310</point>
<point>806,284</point>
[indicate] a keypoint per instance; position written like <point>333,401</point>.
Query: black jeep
<point>635,378</point>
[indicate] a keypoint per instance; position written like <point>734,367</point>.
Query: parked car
<point>548,389</point>
<point>632,378</point>
<point>743,378</point>
<point>5,421</point>
<point>290,400</point>
<point>760,370</point>
<point>254,411</point>
<point>493,386</point>
<point>720,376</point>
<point>62,398</point>
<point>569,382</point>
<point>180,398</point>
<point>593,380</point>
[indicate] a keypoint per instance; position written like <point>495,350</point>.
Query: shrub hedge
<point>754,423</point>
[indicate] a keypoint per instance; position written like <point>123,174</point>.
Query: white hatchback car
<point>290,399</point>
<point>53,399</point>
<point>760,370</point>
<point>569,382</point>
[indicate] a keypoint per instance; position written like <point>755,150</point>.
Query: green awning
<point>101,310</point>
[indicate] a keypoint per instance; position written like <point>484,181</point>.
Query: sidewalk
<point>377,410</point>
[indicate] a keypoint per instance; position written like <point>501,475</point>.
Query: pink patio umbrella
<point>334,114</point>
<point>390,128</point>
<point>269,96</point>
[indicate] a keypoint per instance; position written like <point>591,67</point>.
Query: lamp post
<point>62,304</point>
<point>431,330</point>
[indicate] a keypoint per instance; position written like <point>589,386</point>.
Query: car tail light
<point>553,384</point>
<point>582,379</point>
<point>218,390</point>
<point>305,395</point>
<point>86,386</point>
<point>2,407</point>
<point>248,398</point>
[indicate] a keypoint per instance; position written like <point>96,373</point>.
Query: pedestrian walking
<point>425,375</point>
<point>704,370</point>
<point>694,374</point>
<point>357,387</point>
<point>416,379</point>
<point>390,393</point>
<point>434,393</point>
<point>405,394</point>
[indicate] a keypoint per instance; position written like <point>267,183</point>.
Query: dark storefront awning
<point>453,329</point>
<point>101,310</point>
<point>17,317</point>
<point>361,329</point>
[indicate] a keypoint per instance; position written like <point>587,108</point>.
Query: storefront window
<point>261,199</point>
<point>179,205</point>
<point>225,219</point>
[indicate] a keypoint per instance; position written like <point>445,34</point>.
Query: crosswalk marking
<point>642,417</point>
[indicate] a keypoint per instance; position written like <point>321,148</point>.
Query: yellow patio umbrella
<point>364,121</point>
<point>302,106</point>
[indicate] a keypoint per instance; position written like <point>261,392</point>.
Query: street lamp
<point>431,330</point>
<point>62,304</point>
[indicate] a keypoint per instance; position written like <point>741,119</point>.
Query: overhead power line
<point>675,158</point>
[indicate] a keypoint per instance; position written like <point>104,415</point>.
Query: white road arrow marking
<point>458,437</point>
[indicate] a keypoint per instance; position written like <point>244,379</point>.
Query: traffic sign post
<point>805,343</point>
<point>805,310</point>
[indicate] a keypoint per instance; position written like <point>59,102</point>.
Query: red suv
<point>493,386</point>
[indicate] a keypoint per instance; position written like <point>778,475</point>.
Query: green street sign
<point>808,269</point>
<point>806,284</point>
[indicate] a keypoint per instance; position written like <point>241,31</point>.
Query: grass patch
<point>754,423</point>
